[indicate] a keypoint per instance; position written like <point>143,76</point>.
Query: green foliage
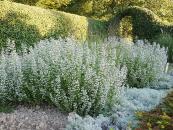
<point>91,8</point>
<point>6,108</point>
<point>28,2</point>
<point>145,23</point>
<point>164,11</point>
<point>53,4</point>
<point>104,9</point>
<point>27,24</point>
<point>166,40</point>
<point>12,27</point>
<point>125,28</point>
<point>162,8</point>
<point>107,9</point>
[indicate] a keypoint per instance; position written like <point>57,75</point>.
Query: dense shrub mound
<point>83,78</point>
<point>145,62</point>
<point>73,77</point>
<point>146,24</point>
<point>28,24</point>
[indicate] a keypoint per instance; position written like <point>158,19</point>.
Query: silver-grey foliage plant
<point>73,77</point>
<point>78,77</point>
<point>145,62</point>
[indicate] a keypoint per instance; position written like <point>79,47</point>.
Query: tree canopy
<point>104,9</point>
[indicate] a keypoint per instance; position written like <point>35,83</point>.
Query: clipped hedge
<point>28,24</point>
<point>146,24</point>
<point>28,2</point>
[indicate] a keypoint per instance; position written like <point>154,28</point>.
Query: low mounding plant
<point>73,77</point>
<point>123,115</point>
<point>145,62</point>
<point>75,122</point>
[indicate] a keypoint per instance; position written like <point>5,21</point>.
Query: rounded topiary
<point>146,24</point>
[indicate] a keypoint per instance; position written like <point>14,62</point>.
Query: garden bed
<point>111,82</point>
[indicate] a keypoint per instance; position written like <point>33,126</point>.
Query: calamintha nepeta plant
<point>78,77</point>
<point>73,77</point>
<point>145,62</point>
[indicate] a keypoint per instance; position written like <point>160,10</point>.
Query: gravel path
<point>35,118</point>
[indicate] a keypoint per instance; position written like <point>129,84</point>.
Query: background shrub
<point>145,23</point>
<point>147,19</point>
<point>53,4</point>
<point>166,40</point>
<point>104,9</point>
<point>28,2</point>
<point>28,24</point>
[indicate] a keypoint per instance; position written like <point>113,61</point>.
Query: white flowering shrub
<point>145,62</point>
<point>73,77</point>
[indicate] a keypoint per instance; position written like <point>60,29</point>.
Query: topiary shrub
<point>27,24</point>
<point>51,4</point>
<point>125,28</point>
<point>145,23</point>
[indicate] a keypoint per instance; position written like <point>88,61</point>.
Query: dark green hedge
<point>28,2</point>
<point>28,24</point>
<point>166,40</point>
<point>146,24</point>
